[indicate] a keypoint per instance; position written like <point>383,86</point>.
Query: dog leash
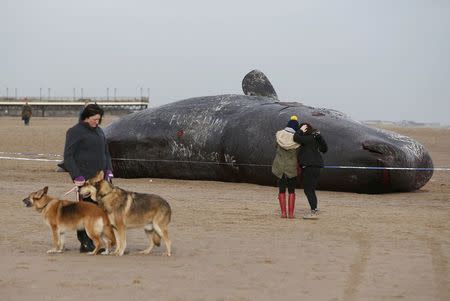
<point>71,190</point>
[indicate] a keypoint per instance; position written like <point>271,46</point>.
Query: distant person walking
<point>26,113</point>
<point>284,165</point>
<point>311,161</point>
<point>85,153</point>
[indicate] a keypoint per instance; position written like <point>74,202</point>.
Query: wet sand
<point>228,240</point>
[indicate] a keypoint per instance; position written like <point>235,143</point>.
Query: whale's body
<point>232,138</point>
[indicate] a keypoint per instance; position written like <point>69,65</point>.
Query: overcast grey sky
<point>378,59</point>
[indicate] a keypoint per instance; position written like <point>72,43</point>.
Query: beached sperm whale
<point>231,138</point>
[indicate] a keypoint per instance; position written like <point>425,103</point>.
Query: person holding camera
<point>311,161</point>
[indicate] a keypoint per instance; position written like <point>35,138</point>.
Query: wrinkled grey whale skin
<point>232,138</point>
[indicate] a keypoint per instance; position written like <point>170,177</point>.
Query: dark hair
<point>309,128</point>
<point>91,110</point>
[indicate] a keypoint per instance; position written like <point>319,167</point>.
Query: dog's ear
<point>41,193</point>
<point>100,175</point>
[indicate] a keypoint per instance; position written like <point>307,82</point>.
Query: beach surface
<point>228,241</point>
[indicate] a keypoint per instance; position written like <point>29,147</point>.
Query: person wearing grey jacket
<point>85,153</point>
<point>284,166</point>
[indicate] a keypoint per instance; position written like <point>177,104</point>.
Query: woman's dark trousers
<point>86,243</point>
<point>310,179</point>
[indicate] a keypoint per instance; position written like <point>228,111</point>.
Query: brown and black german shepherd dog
<point>128,209</point>
<point>62,215</point>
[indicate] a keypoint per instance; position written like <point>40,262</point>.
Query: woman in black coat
<point>310,160</point>
<point>85,153</point>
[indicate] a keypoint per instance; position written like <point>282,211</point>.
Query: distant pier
<point>67,106</point>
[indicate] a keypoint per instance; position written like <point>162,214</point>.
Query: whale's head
<point>364,158</point>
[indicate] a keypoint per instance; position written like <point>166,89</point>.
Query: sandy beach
<point>228,240</point>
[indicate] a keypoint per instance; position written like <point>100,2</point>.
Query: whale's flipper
<point>256,83</point>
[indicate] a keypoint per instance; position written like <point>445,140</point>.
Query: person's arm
<point>108,171</point>
<point>323,147</point>
<point>108,157</point>
<point>70,148</point>
<point>303,139</point>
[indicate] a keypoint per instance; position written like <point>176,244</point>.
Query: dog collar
<point>42,208</point>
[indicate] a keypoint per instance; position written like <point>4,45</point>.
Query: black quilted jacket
<point>86,151</point>
<point>310,148</point>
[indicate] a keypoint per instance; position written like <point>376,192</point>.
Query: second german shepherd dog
<point>62,215</point>
<point>128,209</point>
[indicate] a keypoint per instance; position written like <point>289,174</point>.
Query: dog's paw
<point>119,253</point>
<point>106,252</point>
<point>52,251</point>
<point>145,252</point>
